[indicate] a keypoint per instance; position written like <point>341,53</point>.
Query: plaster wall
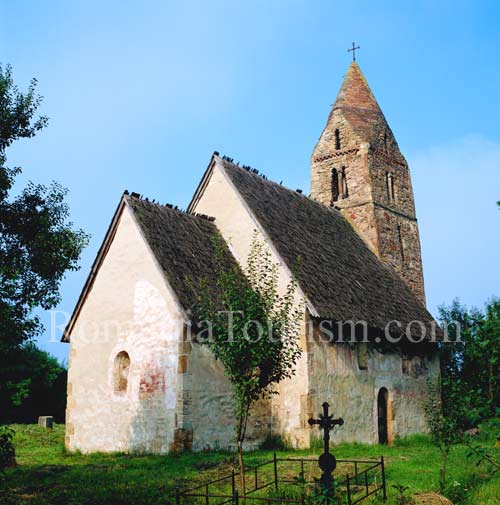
<point>129,308</point>
<point>286,413</point>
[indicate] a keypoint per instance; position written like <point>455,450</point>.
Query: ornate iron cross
<point>353,49</point>
<point>327,462</point>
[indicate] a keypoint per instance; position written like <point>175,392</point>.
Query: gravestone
<point>46,422</point>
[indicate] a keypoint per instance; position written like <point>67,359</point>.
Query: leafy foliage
<point>444,413</point>
<point>402,498</point>
<point>7,451</point>
<point>37,242</point>
<point>251,330</point>
<point>473,363</point>
<point>36,386</point>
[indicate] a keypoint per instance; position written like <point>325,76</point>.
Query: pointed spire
<point>355,91</point>
<point>359,106</point>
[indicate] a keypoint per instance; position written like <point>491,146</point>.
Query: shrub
<point>274,443</point>
<point>7,450</point>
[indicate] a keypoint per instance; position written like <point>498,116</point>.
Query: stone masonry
<point>357,167</point>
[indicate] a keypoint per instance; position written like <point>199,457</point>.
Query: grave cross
<point>327,462</point>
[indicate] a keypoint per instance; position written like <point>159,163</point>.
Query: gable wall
<point>287,414</point>
<point>129,308</point>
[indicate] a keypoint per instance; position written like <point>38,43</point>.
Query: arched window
<point>121,367</point>
<point>335,185</point>
<point>389,185</point>
<point>337,139</point>
<point>345,190</point>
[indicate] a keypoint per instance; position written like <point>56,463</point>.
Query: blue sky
<point>139,94</point>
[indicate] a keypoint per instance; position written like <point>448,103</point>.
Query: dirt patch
<point>431,499</point>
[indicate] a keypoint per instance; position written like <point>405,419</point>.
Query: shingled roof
<point>182,245</point>
<point>338,273</point>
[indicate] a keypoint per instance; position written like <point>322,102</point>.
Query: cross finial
<point>353,49</point>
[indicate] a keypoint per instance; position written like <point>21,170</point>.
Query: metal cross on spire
<point>353,49</point>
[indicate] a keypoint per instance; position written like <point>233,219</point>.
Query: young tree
<point>37,243</point>
<point>444,413</point>
<point>253,331</point>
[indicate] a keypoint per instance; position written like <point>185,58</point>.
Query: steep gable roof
<point>181,244</point>
<point>338,273</point>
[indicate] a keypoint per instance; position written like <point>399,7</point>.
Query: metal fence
<point>361,479</point>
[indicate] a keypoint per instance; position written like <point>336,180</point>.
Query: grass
<point>48,475</point>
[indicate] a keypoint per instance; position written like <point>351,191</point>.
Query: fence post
<point>177,496</point>
<point>207,499</point>
<point>384,490</point>
<point>275,461</point>
<point>233,483</point>
<point>236,498</point>
<point>356,471</point>
<point>348,482</point>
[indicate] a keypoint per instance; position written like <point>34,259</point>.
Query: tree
<point>444,413</point>
<point>37,242</point>
<point>253,331</point>
<point>474,362</point>
<point>36,386</point>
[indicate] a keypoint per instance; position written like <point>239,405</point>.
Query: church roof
<point>342,278</point>
<point>182,245</point>
<point>360,108</point>
<point>180,242</point>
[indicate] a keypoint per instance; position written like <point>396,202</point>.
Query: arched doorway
<point>382,401</point>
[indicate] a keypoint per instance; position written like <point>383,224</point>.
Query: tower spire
<point>357,167</point>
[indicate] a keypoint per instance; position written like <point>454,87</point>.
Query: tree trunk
<point>241,432</point>
<point>242,470</point>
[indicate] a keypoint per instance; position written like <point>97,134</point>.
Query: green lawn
<point>47,474</point>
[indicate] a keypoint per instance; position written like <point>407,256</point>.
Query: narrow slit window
<point>335,185</point>
<point>337,139</point>
<point>393,194</point>
<point>401,243</point>
<point>345,190</point>
<point>362,355</point>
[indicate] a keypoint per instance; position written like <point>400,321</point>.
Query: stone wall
<point>336,377</point>
<point>378,198</point>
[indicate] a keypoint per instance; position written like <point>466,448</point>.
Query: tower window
<point>389,185</point>
<point>121,367</point>
<point>335,185</point>
<point>401,243</point>
<point>345,190</point>
<point>337,139</point>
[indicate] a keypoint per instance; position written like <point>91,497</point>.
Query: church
<point>139,381</point>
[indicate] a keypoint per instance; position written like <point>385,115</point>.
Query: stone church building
<point>139,381</point>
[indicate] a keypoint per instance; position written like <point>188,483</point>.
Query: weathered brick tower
<point>357,167</point>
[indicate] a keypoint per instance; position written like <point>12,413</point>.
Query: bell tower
<point>358,168</point>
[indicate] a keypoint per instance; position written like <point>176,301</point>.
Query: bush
<point>274,443</point>
<point>7,450</point>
